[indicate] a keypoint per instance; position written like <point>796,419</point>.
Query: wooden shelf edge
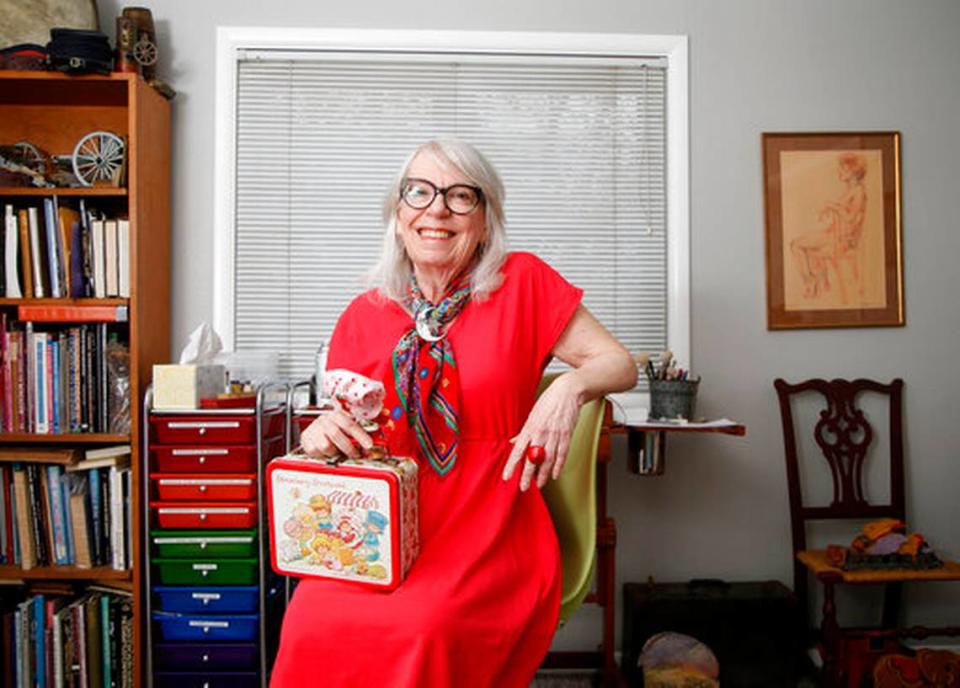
<point>99,573</point>
<point>65,302</point>
<point>26,191</point>
<point>65,438</point>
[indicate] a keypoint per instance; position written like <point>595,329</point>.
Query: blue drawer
<point>209,600</point>
<point>207,627</point>
<point>181,679</point>
<point>206,656</point>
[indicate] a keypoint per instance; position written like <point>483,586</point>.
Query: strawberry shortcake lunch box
<point>345,519</point>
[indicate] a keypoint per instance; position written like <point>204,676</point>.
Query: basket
<point>671,399</point>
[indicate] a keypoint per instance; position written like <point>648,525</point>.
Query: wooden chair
<point>578,505</point>
<point>844,436</point>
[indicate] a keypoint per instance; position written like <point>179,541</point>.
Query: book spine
<point>38,514</point>
<point>96,515</point>
<point>58,514</point>
<point>66,313</point>
<point>67,519</point>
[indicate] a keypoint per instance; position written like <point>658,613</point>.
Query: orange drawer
<point>228,487</point>
<point>210,459</point>
<point>198,429</point>
<point>204,514</point>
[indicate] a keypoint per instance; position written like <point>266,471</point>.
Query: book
<point>36,254</point>
<point>58,514</point>
<point>72,313</point>
<point>24,518</point>
<point>111,262</point>
<point>50,232</point>
<point>11,254</point>
<point>123,257</point>
<point>65,456</point>
<point>98,264</point>
<point>80,519</point>
<point>26,259</point>
<point>67,218</point>
<point>103,458</point>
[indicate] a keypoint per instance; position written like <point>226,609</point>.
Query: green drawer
<point>206,571</point>
<point>204,543</point>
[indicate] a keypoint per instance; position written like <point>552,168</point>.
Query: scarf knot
<point>425,397</point>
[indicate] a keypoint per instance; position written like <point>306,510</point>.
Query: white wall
<point>755,65</point>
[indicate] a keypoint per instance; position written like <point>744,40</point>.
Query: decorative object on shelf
<point>24,164</point>
<point>137,48</point>
<point>99,157</point>
<point>24,57</point>
<point>833,229</point>
<point>126,39</point>
<point>144,40</point>
<point>76,51</point>
<point>30,22</point>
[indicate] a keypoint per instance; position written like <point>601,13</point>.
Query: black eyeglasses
<point>460,199</point>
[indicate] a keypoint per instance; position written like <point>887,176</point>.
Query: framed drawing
<point>833,229</point>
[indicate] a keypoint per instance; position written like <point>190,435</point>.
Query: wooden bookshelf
<point>54,111</point>
<point>73,573</point>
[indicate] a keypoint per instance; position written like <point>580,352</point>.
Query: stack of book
<point>58,509</point>
<point>55,375</point>
<point>53,250</point>
<point>68,640</point>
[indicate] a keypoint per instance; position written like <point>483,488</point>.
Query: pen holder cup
<point>670,399</point>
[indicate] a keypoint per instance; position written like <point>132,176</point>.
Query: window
<point>581,141</point>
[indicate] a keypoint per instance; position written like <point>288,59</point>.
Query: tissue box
<point>180,386</point>
<point>353,519</point>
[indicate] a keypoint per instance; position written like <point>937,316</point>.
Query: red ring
<point>535,454</point>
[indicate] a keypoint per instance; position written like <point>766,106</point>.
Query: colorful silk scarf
<point>426,392</point>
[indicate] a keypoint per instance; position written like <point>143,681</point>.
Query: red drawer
<point>199,429</point>
<point>228,487</point>
<point>204,459</point>
<point>204,514</point>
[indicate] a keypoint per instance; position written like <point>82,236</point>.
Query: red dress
<point>480,605</point>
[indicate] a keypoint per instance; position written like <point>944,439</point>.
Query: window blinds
<point>579,143</point>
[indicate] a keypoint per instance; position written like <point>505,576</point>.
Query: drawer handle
<point>203,488</point>
<point>206,658</point>
<point>203,517</point>
<point>203,431</point>
<point>203,545</point>
<point>203,459</point>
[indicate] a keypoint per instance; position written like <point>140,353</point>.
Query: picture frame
<point>834,253</point>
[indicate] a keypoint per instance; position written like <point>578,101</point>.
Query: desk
<point>647,440</point>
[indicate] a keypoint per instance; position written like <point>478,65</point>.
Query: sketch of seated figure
<point>833,250</point>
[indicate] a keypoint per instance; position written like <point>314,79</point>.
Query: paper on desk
<point>716,423</point>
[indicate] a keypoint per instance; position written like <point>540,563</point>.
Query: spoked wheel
<point>98,157</point>
<point>145,52</point>
<point>32,157</point>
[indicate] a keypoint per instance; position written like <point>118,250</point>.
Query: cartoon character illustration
<point>322,510</point>
<point>374,525</point>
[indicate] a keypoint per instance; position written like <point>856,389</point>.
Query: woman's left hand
<point>549,425</point>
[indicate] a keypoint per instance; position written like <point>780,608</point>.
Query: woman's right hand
<point>333,433</point>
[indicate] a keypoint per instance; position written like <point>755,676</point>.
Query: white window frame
<point>234,41</point>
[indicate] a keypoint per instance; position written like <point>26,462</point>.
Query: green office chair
<point>577,504</point>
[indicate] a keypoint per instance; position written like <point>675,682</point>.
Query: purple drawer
<point>206,656</point>
<point>219,679</point>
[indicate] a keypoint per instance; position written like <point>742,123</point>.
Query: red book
<point>68,313</point>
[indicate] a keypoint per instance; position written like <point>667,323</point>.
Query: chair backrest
<point>572,502</point>
<point>844,435</point>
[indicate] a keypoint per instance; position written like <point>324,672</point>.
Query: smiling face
<point>439,243</point>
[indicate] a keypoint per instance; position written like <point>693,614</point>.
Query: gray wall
<point>755,65</point>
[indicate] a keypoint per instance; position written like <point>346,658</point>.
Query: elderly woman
<point>459,331</point>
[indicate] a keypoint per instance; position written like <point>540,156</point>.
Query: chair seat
<point>816,561</point>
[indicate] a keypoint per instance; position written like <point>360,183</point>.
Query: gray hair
<point>393,269</point>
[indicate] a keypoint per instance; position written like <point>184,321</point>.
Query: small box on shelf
<point>182,386</point>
